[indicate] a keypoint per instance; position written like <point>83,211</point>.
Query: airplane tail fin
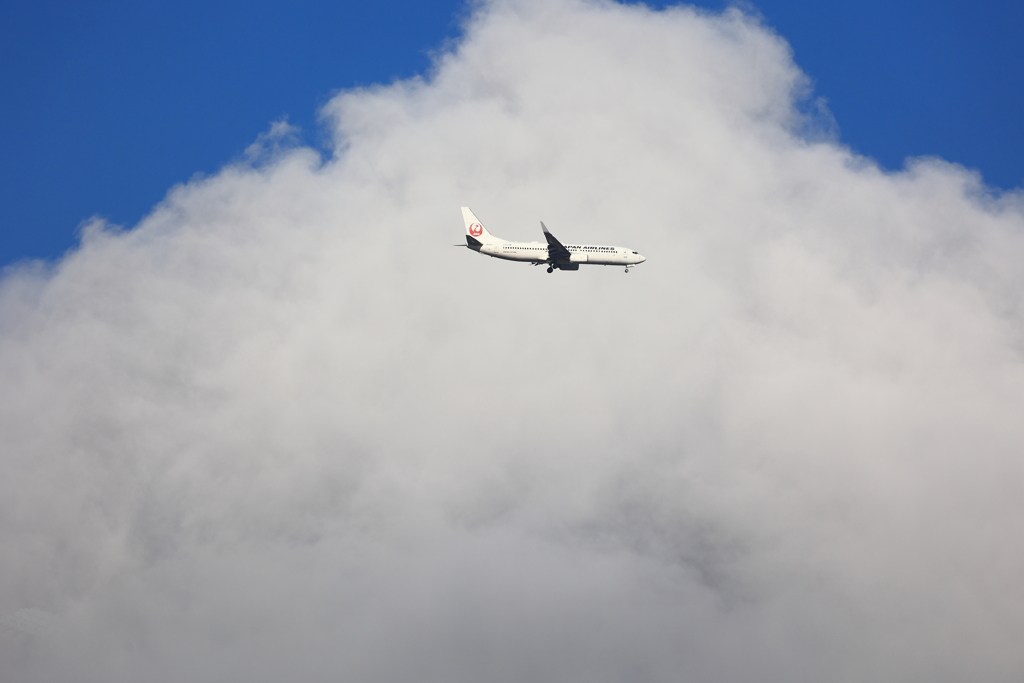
<point>475,230</point>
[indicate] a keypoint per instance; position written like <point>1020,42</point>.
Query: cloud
<point>269,145</point>
<point>282,429</point>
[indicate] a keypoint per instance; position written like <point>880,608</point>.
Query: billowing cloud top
<point>283,430</point>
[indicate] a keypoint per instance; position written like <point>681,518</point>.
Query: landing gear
<point>550,269</point>
<point>627,271</point>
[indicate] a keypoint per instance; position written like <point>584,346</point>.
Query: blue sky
<point>107,105</point>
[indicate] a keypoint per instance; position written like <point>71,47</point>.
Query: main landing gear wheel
<point>550,269</point>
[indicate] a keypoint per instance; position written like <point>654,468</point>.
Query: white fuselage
<point>537,252</point>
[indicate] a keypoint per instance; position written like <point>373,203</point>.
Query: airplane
<point>556,255</point>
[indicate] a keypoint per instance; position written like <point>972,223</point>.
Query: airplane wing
<point>556,251</point>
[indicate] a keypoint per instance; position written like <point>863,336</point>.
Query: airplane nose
<point>642,258</point>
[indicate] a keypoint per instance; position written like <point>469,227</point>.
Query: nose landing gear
<point>550,269</point>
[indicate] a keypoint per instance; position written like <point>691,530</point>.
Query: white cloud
<point>282,429</point>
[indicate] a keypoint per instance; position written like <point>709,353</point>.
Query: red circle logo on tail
<point>476,230</point>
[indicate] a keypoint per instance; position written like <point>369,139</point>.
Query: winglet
<point>556,249</point>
